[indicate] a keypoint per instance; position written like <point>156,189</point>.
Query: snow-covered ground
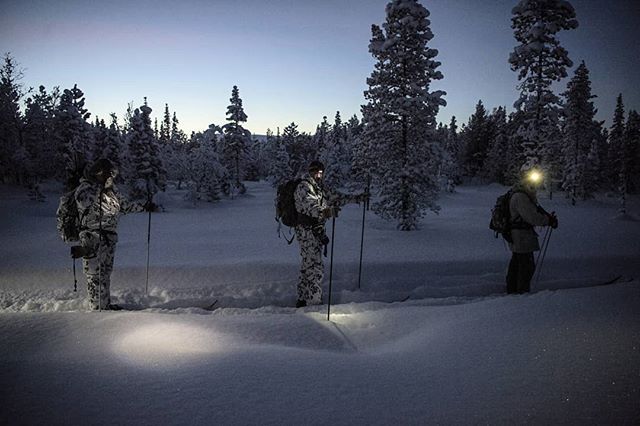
<point>457,351</point>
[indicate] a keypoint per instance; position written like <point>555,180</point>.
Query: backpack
<point>286,212</point>
<point>500,221</point>
<point>68,217</point>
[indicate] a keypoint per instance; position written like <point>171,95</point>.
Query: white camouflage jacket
<point>312,198</point>
<point>100,207</point>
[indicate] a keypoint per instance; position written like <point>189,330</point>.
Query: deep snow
<point>457,351</point>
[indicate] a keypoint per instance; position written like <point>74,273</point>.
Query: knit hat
<point>315,166</point>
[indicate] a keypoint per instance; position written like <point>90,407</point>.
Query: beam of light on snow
<point>165,345</point>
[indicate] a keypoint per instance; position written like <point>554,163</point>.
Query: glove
<point>553,220</point>
<point>79,251</point>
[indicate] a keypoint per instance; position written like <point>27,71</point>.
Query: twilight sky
<point>293,60</point>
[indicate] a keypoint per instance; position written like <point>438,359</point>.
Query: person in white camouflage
<point>99,206</point>
<point>314,205</point>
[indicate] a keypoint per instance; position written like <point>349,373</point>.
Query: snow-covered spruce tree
<point>540,60</point>
<point>148,175</point>
<point>616,141</point>
<point>281,170</point>
<point>363,163</point>
<point>580,134</point>
<point>38,133</point>
<point>164,134</point>
<point>495,165</point>
<point>73,135</point>
<point>515,146</point>
<point>99,129</point>
<point>252,160</point>
<point>337,158</point>
<point>632,142</point>
<point>235,142</point>
<point>206,175</point>
<point>174,153</point>
<point>400,115</point>
<point>353,129</point>
<point>115,148</point>
<point>270,150</point>
<point>477,139</point>
<point>451,163</point>
<point>626,151</point>
<point>11,122</point>
<point>298,152</point>
<point>321,139</point>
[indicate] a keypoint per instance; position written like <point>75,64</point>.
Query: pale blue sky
<point>292,60</point>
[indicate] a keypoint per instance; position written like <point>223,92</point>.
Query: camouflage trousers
<point>98,266</point>
<point>311,268</point>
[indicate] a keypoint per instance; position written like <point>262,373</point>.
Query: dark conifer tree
<point>496,164</point>
<point>12,151</point>
<point>38,134</point>
<point>148,174</point>
<point>236,141</point>
<point>73,135</point>
<point>616,142</point>
<point>540,60</point>
<point>477,138</point>
<point>402,153</point>
<point>580,136</point>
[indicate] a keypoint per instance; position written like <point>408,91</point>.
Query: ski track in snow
<point>230,252</point>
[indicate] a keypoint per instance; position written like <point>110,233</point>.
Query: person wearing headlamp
<point>526,213</point>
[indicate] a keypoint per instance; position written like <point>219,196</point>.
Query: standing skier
<point>99,206</point>
<point>525,214</point>
<point>315,204</point>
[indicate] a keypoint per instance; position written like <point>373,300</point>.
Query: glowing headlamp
<point>534,176</point>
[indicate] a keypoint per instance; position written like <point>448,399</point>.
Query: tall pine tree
<point>236,141</point>
<point>38,134</point>
<point>148,175</point>
<point>616,142</point>
<point>540,60</point>
<point>477,139</point>
<point>632,140</point>
<point>400,115</point>
<point>580,135</point>
<point>11,121</point>
<point>73,135</point>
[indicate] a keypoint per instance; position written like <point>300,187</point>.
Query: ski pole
<point>99,257</point>
<point>544,253</point>
<point>536,277</point>
<point>365,207</point>
<point>146,285</point>
<point>364,211</point>
<point>333,232</point>
<point>544,241</point>
<point>75,278</point>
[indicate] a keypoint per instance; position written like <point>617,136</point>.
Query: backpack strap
<point>281,234</point>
